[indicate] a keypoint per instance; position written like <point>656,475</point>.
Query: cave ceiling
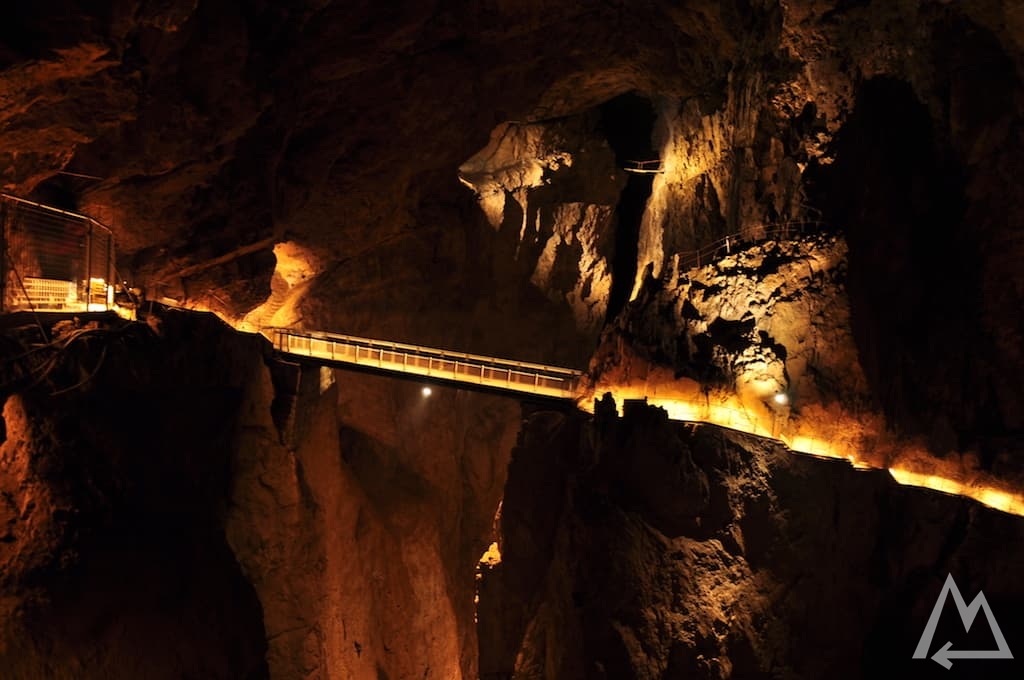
<point>205,125</point>
<point>220,140</point>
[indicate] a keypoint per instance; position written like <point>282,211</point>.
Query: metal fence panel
<point>54,260</point>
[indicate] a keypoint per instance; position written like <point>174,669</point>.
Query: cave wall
<point>360,530</point>
<point>635,547</point>
<point>339,129</point>
<point>114,561</point>
<point>921,190</point>
<point>200,509</point>
<point>549,191</point>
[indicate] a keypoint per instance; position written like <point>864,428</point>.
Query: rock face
<point>114,561</point>
<point>306,162</point>
<point>636,547</point>
<point>219,133</point>
<point>760,321</point>
<point>922,177</point>
<point>360,537</point>
<point>200,510</point>
<point>554,187</point>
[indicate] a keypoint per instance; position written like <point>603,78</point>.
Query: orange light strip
<point>732,415</point>
<point>737,418</point>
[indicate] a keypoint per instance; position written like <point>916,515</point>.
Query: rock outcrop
<point>114,562</point>
<point>636,547</point>
<point>200,509</point>
<point>299,162</point>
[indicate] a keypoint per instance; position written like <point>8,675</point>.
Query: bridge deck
<point>471,370</point>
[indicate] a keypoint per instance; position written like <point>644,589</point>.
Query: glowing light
<point>492,557</point>
<point>813,446</point>
<point>844,439</point>
<point>678,409</point>
<point>840,444</point>
<point>986,495</point>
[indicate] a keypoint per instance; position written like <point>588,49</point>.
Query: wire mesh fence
<point>53,260</point>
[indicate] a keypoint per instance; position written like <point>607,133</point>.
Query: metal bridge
<point>59,261</point>
<point>465,370</point>
<point>649,167</point>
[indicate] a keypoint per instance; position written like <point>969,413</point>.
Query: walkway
<point>467,370</point>
<point>734,243</point>
<point>40,233</point>
<point>651,167</point>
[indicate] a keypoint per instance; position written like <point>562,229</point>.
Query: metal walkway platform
<point>471,370</point>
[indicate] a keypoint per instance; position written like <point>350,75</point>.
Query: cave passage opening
<point>627,122</point>
<point>897,190</point>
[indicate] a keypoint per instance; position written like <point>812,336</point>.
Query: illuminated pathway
<point>478,372</point>
<point>468,370</point>
<point>820,431</point>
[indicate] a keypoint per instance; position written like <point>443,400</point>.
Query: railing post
<point>110,266</point>
<point>88,266</point>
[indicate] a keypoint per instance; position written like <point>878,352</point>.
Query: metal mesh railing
<point>52,259</point>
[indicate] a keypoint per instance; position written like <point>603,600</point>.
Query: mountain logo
<point>967,615</point>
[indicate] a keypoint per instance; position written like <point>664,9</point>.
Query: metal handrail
<point>643,166</point>
<point>695,258</point>
<point>59,211</point>
<point>45,230</point>
<point>428,352</point>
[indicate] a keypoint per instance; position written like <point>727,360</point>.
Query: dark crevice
<point>899,195</point>
<point>627,123</point>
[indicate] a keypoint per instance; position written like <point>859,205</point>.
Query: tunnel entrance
<point>627,122</point>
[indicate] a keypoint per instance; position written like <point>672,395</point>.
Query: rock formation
<point>455,175</point>
<point>642,548</point>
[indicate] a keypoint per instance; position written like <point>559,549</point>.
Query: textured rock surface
<point>640,548</point>
<point>299,162</point>
<point>173,520</point>
<point>114,562</point>
<point>556,186</point>
<point>360,536</point>
<point>340,130</point>
<point>766,319</point>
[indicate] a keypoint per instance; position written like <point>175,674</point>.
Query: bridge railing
<point>53,259</point>
<point>688,259</point>
<point>461,367</point>
<point>653,166</point>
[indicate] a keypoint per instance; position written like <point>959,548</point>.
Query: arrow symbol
<point>943,656</point>
<point>967,616</point>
